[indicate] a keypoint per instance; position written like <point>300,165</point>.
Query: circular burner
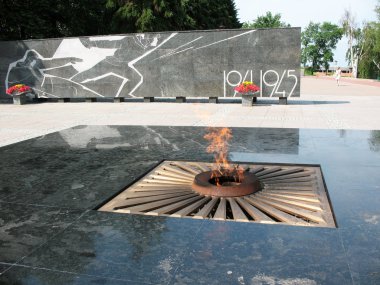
<point>204,184</point>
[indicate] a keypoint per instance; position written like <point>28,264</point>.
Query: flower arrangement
<point>17,89</point>
<point>247,87</point>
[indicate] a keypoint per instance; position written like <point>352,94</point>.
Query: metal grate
<point>289,194</point>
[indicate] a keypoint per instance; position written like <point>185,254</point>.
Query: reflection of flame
<point>218,138</point>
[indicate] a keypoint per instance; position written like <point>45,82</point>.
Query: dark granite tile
<point>364,278</point>
<point>241,253</point>
<point>251,140</point>
<point>35,276</point>
<point>134,247</point>
<point>317,146</point>
<point>362,245</point>
<point>4,266</point>
<point>347,152</point>
<point>16,175</point>
<point>265,140</point>
<point>351,176</point>
<point>12,182</point>
<point>66,166</point>
<point>84,188</point>
<point>336,134</point>
<point>23,228</point>
<point>356,207</point>
<point>141,138</point>
<point>24,171</point>
<point>167,140</point>
<point>354,191</point>
<point>272,158</point>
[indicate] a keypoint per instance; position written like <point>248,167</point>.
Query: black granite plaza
<point>51,234</point>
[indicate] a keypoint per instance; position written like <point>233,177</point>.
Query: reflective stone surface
<point>260,253</point>
<point>33,276</point>
<point>50,234</point>
<point>23,228</point>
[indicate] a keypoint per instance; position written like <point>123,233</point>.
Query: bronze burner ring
<point>202,184</point>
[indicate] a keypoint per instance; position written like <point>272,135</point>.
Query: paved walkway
<point>326,85</point>
<point>360,81</point>
<point>322,105</point>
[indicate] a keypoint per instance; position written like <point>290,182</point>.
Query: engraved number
<point>278,81</point>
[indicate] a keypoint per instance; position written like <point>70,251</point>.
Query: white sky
<point>298,13</point>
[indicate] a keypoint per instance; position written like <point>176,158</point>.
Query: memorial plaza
<point>65,165</point>
<point>232,142</point>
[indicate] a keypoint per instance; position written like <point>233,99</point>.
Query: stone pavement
<point>323,105</point>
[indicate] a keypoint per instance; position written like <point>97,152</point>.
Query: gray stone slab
<point>166,64</point>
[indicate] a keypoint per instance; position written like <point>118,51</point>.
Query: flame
<point>218,139</point>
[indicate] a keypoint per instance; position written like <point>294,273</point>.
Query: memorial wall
<point>166,64</point>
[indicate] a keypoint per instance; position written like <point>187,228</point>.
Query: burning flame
<point>218,139</point>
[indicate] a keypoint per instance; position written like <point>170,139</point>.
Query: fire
<point>219,138</point>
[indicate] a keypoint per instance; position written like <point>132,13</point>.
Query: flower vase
<point>20,98</point>
<point>247,99</point>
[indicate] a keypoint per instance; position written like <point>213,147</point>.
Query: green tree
<point>146,16</point>
<point>84,17</point>
<point>206,14</point>
<point>318,42</point>
<point>369,65</point>
<point>266,21</point>
<point>166,15</point>
<point>353,33</point>
<point>27,19</point>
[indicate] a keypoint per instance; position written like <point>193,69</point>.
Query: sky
<point>299,13</point>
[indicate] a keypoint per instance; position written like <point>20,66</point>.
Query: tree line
<point>33,19</point>
<point>319,40</point>
<point>363,52</point>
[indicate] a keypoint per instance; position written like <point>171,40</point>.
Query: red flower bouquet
<point>18,89</point>
<point>247,87</point>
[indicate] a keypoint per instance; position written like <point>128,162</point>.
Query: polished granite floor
<point>50,234</point>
